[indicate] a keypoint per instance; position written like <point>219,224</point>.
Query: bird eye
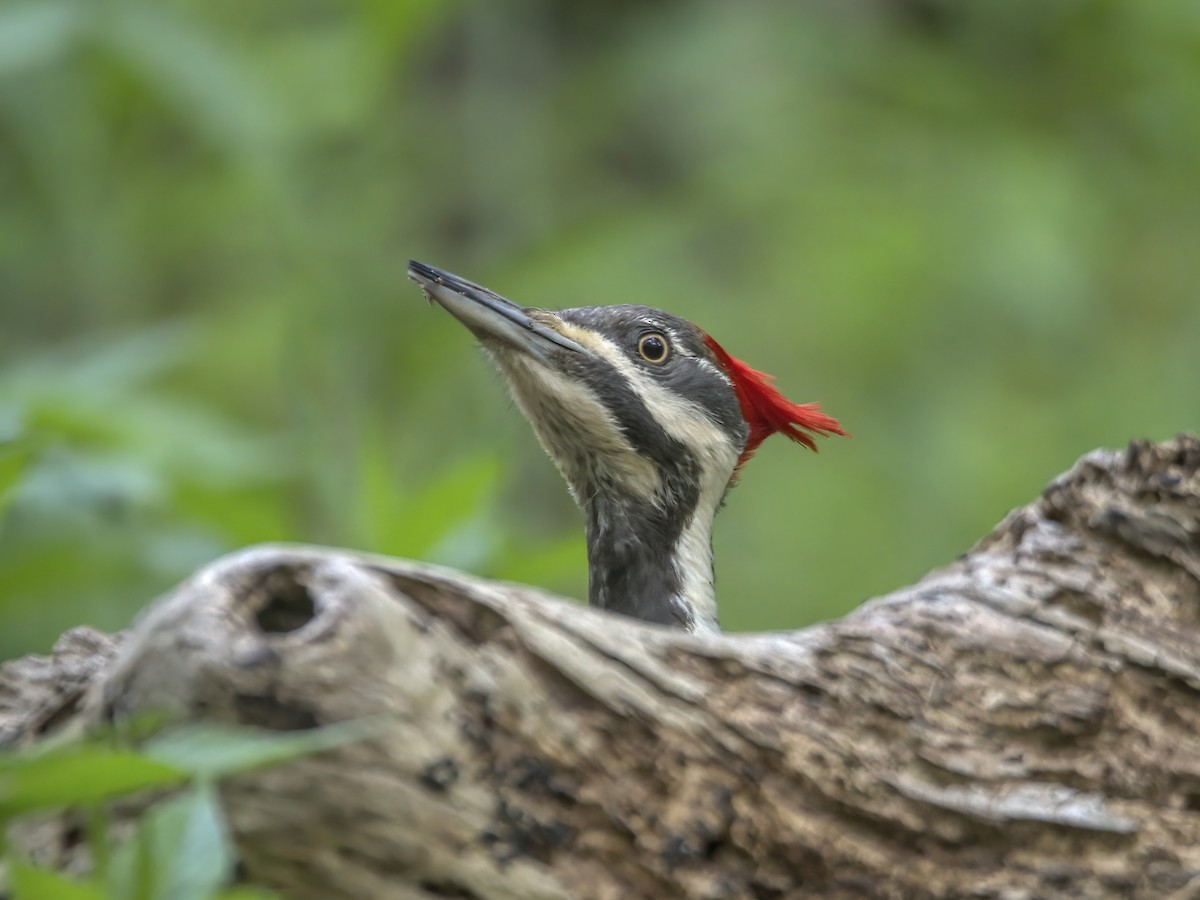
<point>653,348</point>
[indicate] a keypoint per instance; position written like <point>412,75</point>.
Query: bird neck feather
<point>642,564</point>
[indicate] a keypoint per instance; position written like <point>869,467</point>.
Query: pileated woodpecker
<point>647,419</point>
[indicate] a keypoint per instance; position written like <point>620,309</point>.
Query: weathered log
<point>1022,723</point>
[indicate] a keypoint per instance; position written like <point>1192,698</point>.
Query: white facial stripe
<point>708,364</point>
<point>569,420</point>
<point>678,347</point>
<point>680,418</point>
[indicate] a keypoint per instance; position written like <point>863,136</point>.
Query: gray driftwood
<point>1022,723</point>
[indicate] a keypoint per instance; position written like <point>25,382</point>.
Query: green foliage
<point>968,229</point>
<point>99,457</point>
<point>30,883</point>
<point>180,849</point>
<point>81,775</point>
<point>212,751</point>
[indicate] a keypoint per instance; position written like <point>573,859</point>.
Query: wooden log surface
<point>1024,722</point>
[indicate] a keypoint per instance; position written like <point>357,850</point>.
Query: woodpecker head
<point>649,421</point>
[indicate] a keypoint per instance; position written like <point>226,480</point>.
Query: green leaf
<point>191,847</point>
<point>31,883</point>
<point>130,875</point>
<point>180,851</point>
<point>214,751</point>
<point>77,775</point>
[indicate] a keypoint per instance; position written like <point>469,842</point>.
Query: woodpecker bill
<point>649,421</point>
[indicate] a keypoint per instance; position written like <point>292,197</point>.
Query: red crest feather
<point>767,411</point>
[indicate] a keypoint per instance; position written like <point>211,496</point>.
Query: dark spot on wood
<point>1060,876</point>
<point>533,775</point>
<point>1112,518</point>
<point>1190,801</point>
<point>766,892</point>
<point>1122,882</point>
<point>444,887</point>
<point>441,775</point>
<point>1167,877</point>
<point>859,885</point>
<point>733,668</point>
<point>557,834</point>
<point>477,721</point>
<point>1078,604</point>
<point>811,689</point>
<point>269,712</point>
<point>60,714</point>
<point>473,620</point>
<point>1133,456</point>
<point>679,852</point>
<point>517,833</point>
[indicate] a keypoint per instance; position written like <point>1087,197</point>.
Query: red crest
<point>767,411</point>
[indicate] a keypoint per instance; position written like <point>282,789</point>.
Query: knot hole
<point>284,603</point>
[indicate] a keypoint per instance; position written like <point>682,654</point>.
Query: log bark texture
<point>1022,723</point>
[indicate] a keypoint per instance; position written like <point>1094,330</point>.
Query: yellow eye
<point>653,348</point>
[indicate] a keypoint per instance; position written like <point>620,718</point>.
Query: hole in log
<point>286,602</point>
<point>73,836</point>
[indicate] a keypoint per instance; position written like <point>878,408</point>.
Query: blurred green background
<point>971,230</point>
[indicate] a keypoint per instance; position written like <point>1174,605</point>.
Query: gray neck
<point>650,563</point>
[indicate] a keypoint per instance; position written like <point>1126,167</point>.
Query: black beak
<point>490,316</point>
